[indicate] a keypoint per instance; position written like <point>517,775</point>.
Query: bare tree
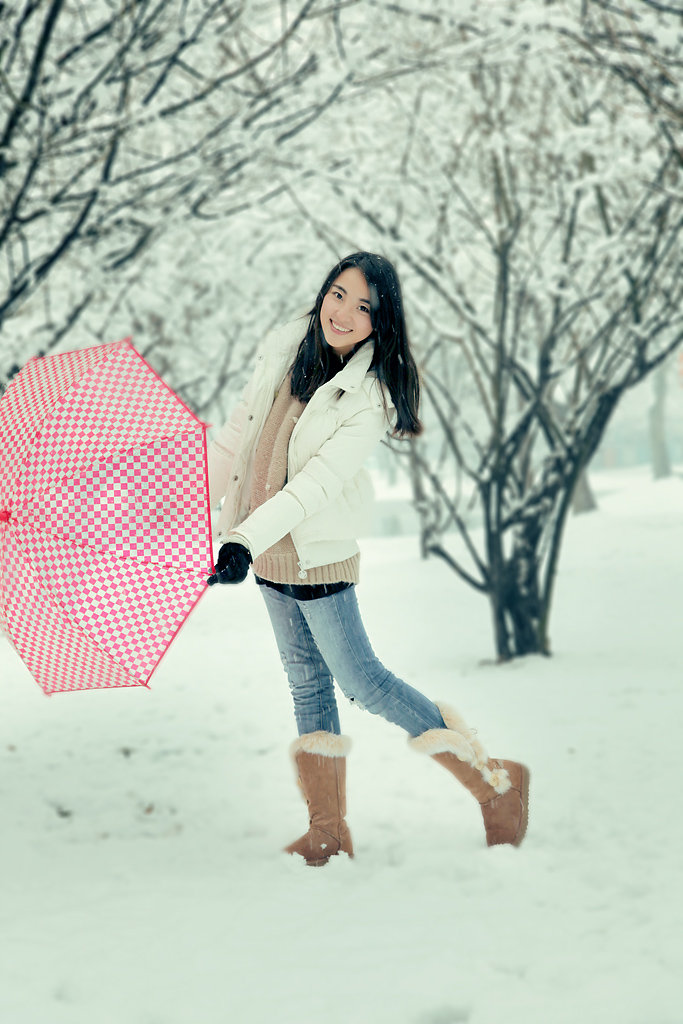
<point>120,121</point>
<point>659,449</point>
<point>537,217</point>
<point>641,44</point>
<point>627,39</point>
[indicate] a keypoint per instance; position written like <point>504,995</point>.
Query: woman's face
<point>345,311</point>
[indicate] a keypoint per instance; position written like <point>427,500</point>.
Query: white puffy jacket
<point>327,497</point>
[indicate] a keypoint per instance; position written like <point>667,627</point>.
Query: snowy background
<point>186,172</point>
<point>142,879</point>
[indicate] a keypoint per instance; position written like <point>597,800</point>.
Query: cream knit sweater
<point>280,563</point>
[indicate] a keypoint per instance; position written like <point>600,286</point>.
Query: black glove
<point>232,565</point>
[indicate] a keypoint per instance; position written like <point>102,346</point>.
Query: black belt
<point>304,591</point>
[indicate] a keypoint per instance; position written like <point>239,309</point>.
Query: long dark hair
<point>392,361</point>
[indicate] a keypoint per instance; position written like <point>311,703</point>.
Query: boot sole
<point>321,863</point>
<point>317,862</point>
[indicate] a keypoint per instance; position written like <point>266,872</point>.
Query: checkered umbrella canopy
<point>105,538</point>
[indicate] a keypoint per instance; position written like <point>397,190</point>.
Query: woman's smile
<point>339,329</point>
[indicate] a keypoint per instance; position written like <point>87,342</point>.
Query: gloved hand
<point>232,565</point>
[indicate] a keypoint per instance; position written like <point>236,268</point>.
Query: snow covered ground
<point>142,881</point>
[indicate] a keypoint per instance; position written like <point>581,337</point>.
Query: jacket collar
<point>348,378</point>
<point>353,373</point>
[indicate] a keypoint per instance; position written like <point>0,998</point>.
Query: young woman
<point>288,468</point>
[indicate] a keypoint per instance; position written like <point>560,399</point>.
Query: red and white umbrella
<point>105,535</point>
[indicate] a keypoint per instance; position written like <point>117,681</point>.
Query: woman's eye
<point>364,309</point>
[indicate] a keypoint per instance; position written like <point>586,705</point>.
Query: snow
<point>142,875</point>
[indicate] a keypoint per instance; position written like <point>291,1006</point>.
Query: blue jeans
<point>323,640</point>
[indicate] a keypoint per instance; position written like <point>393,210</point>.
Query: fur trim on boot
<point>327,744</point>
<point>458,739</point>
<point>320,760</point>
<point>500,787</point>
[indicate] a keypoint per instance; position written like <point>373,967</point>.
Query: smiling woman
<point>289,468</point>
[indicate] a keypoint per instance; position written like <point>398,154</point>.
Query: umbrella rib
<point>119,455</point>
<point>112,348</point>
<point>123,560</point>
<point>153,373</point>
<point>41,586</point>
<point>44,495</point>
<point>88,372</point>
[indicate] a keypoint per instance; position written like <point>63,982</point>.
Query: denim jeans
<point>325,640</point>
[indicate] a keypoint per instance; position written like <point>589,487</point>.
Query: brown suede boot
<point>321,764</point>
<point>505,805</point>
<point>506,815</point>
<point>500,787</point>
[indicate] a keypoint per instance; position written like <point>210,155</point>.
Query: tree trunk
<point>583,499</point>
<point>517,605</point>
<point>501,634</point>
<point>661,463</point>
<point>517,619</point>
